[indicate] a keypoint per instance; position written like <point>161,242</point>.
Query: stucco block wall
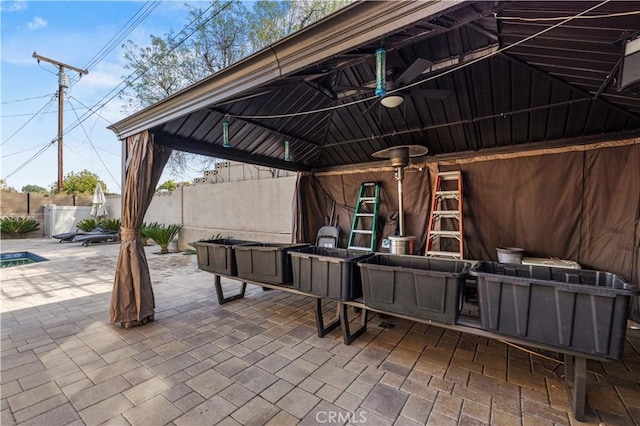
<point>250,210</point>
<point>257,210</point>
<point>166,207</point>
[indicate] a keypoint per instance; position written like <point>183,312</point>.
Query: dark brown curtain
<point>581,205</point>
<point>530,202</point>
<point>611,218</point>
<point>132,299</point>
<point>316,194</point>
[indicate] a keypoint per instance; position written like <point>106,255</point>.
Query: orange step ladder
<point>446,204</point>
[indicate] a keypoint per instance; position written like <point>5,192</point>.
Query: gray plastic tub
<point>266,262</point>
<point>328,272</point>
<point>582,310</point>
<point>217,256</point>
<point>416,286</point>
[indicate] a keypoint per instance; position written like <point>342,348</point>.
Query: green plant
<point>163,235</point>
<point>16,226</point>
<point>87,224</point>
<point>144,231</point>
<point>110,224</point>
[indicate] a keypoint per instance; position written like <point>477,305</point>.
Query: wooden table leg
<point>221,298</point>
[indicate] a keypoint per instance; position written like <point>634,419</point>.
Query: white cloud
<point>37,23</point>
<point>14,6</point>
<point>103,77</point>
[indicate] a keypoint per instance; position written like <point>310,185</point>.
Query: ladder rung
<point>365,215</point>
<point>367,198</point>
<point>452,234</point>
<point>447,213</point>
<point>444,253</point>
<point>449,175</point>
<point>448,194</point>
<point>362,231</point>
<point>360,248</point>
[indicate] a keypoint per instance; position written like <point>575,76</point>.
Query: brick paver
<point>258,360</point>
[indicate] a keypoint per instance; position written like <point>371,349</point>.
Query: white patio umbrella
<point>99,207</point>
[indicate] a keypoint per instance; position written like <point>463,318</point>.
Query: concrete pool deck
<point>258,360</point>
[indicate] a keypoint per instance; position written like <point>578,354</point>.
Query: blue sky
<point>71,32</point>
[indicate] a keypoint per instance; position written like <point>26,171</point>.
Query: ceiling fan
<point>395,81</point>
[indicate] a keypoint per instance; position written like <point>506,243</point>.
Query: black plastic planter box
<point>217,256</point>
<point>266,262</point>
<point>582,310</point>
<point>327,272</point>
<point>416,286</point>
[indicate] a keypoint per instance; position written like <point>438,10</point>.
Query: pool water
<point>8,260</point>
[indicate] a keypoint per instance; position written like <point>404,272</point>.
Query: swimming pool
<point>8,260</point>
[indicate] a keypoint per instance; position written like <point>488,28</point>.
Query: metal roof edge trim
<point>346,29</point>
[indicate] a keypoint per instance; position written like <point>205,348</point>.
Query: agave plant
<point>163,235</point>
<point>16,226</point>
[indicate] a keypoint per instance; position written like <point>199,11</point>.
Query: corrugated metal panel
<point>555,86</point>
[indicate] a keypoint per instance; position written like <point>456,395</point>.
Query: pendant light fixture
<point>381,71</point>
<point>225,133</point>
<point>286,151</point>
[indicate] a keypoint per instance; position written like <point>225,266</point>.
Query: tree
<point>34,189</point>
<point>4,187</point>
<point>168,185</point>
<point>225,32</point>
<point>83,182</point>
<point>274,20</point>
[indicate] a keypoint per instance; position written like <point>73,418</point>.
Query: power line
<point>94,148</point>
<point>20,152</point>
<point>29,120</point>
<point>36,155</point>
<point>126,82</point>
<point>90,109</point>
<point>31,113</point>
<point>140,15</point>
<point>27,99</point>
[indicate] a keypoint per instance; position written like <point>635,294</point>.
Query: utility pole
<point>63,83</point>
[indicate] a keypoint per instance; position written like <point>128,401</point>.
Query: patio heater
<point>399,156</point>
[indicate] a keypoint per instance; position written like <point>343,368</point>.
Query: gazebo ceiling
<point>487,84</point>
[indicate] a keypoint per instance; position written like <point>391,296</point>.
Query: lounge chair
<point>97,237</point>
<point>70,236</point>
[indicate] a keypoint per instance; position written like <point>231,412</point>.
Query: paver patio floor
<point>258,360</point>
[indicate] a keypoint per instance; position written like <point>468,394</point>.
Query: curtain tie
<point>129,234</point>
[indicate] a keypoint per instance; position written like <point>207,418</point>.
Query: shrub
<point>91,223</point>
<point>88,224</point>
<point>110,225</point>
<point>144,231</point>
<point>16,226</point>
<point>163,235</point>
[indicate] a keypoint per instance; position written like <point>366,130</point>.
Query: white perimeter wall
<point>61,219</point>
<point>257,210</point>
